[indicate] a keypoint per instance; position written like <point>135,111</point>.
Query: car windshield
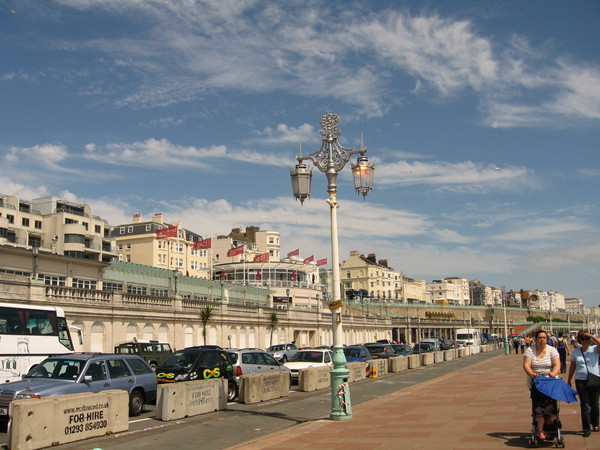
<point>183,359</point>
<point>376,348</point>
<point>307,357</point>
<point>276,348</point>
<point>57,368</point>
<point>352,352</point>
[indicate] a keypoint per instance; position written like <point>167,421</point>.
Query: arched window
<point>97,338</point>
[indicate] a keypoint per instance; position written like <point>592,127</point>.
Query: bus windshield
<point>28,335</point>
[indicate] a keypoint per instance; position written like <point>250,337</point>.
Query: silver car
<point>84,372</point>
<point>282,352</point>
<point>254,360</point>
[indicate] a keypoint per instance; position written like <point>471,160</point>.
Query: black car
<point>199,363</point>
<point>423,347</point>
<point>402,349</point>
<point>378,350</point>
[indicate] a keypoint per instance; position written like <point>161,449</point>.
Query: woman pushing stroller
<point>541,360</point>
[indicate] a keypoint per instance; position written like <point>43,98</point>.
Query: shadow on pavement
<point>274,415</point>
<point>513,439</point>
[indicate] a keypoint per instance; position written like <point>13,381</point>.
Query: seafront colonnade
<point>109,317</point>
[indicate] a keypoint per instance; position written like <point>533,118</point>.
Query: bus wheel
<point>136,403</point>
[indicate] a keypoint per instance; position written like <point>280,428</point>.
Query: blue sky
<point>482,119</point>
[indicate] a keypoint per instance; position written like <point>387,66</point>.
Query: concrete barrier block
<point>438,357</point>
<point>427,359</point>
<point>259,387</point>
<point>398,364</point>
<point>382,366</point>
<point>314,378</point>
<point>449,354</point>
<point>462,352</point>
<point>190,398</point>
<point>39,423</point>
<point>414,361</point>
<point>358,371</point>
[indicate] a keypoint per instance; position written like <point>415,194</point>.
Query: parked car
<point>437,343</point>
<point>82,373</point>
<point>247,361</point>
<point>282,352</point>
<point>152,351</point>
<point>308,358</point>
<point>357,353</point>
<point>380,350</point>
<point>402,349</point>
<point>197,363</point>
<point>447,344</point>
<point>423,347</point>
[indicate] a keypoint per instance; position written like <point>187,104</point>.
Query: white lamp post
<point>331,159</point>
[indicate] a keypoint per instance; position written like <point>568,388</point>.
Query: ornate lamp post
<point>331,159</point>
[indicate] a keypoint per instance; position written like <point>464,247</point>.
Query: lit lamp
<point>331,159</point>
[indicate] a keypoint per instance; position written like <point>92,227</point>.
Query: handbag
<point>593,381</point>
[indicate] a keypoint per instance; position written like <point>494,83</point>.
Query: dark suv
<point>198,363</point>
<point>152,351</point>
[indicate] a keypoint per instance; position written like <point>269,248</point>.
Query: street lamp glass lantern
<point>363,175</point>
<point>301,180</point>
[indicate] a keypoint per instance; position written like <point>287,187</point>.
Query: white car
<point>304,359</point>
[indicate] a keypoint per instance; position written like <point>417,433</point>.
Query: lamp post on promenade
<point>331,159</point>
<point>506,343</point>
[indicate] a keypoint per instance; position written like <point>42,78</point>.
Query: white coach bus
<point>28,335</point>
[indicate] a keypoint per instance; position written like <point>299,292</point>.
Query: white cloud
<point>464,176</point>
<point>445,53</point>
<point>297,50</point>
<point>50,156</point>
<point>24,191</point>
<point>284,134</point>
<point>561,258</point>
<point>543,229</point>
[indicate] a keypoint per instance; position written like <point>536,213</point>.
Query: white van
<point>471,336</point>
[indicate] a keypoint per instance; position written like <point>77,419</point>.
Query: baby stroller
<point>544,395</point>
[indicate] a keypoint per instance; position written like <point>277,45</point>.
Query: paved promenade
<point>485,405</point>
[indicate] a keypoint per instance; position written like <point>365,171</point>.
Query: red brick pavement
<point>483,406</point>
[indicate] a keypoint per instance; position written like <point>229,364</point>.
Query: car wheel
<point>136,403</point>
<point>231,391</point>
<point>153,366</point>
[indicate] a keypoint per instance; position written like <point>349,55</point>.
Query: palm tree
<point>205,315</point>
<point>273,321</point>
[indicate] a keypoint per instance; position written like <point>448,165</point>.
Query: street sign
<point>336,304</point>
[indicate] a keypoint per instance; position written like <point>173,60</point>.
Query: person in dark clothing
<point>562,345</point>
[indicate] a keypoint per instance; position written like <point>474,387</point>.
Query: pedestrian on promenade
<point>527,341</point>
<point>584,361</point>
<point>516,344</point>
<point>522,344</point>
<point>540,360</point>
<point>563,350</point>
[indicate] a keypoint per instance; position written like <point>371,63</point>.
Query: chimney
<point>383,262</point>
<point>372,258</point>
<point>157,217</point>
<point>137,218</point>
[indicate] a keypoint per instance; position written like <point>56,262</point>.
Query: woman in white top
<point>540,360</point>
